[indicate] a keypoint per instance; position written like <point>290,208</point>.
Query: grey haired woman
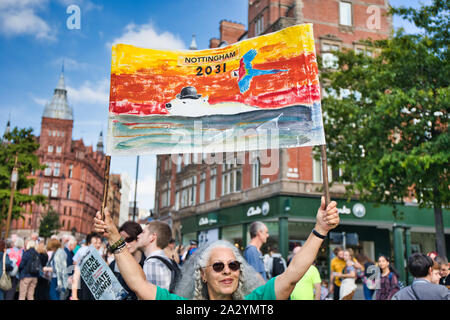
<point>219,266</point>
<point>193,287</point>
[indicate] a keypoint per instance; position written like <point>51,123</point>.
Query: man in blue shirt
<point>258,234</point>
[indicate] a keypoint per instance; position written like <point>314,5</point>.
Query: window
<point>231,178</point>
<point>364,50</point>
<point>165,195</point>
<point>50,149</point>
<point>70,171</point>
<point>46,189</point>
<point>54,133</point>
<point>330,60</point>
<point>48,169</point>
<point>317,171</point>
<point>345,13</point>
<point>259,25</point>
<point>69,190</point>
<point>58,149</point>
<point>49,133</point>
<point>179,160</point>
<point>188,192</point>
<point>256,173</point>
<point>213,183</point>
<point>56,169</point>
<point>202,187</point>
<point>54,190</point>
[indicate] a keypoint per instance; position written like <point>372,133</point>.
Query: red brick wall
<point>86,181</point>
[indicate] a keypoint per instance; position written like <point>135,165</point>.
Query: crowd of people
<point>149,265</point>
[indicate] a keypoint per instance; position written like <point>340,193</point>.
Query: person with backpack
<point>276,263</point>
<point>29,269</point>
<point>158,268</point>
<point>389,284</point>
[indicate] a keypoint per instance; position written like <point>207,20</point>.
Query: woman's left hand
<point>106,227</point>
<point>327,218</point>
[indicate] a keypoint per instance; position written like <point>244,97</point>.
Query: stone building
<point>73,179</point>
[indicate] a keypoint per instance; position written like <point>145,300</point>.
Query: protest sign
<point>256,94</point>
<point>99,278</point>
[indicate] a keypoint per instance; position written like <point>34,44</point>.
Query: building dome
<point>59,107</point>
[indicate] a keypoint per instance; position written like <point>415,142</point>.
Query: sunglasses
<point>130,239</point>
<point>219,266</point>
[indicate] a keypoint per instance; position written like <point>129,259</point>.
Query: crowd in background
<point>47,269</point>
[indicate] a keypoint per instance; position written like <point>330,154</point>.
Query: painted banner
<point>257,94</point>
<point>99,278</point>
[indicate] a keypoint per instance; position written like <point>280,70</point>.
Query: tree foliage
<point>386,116</point>
<point>49,224</point>
<point>21,143</point>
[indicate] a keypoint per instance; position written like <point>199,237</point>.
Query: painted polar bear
<point>190,104</point>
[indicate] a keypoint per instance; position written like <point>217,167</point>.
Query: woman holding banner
<point>218,267</point>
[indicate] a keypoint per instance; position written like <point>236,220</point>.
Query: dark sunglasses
<point>130,239</point>
<point>219,266</point>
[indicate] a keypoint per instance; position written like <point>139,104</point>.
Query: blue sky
<point>34,40</point>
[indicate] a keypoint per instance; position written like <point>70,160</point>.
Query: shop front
<point>364,227</point>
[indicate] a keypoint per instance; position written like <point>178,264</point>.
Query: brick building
<point>73,179</point>
<point>281,187</point>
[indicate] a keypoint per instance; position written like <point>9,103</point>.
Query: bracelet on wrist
<point>120,248</point>
<point>116,244</point>
<point>314,232</point>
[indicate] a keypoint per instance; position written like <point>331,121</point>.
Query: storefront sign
<point>359,210</point>
<point>209,220</point>
<point>344,210</point>
<point>264,210</point>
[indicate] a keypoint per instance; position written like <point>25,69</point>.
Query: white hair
<point>31,244</point>
<point>191,285</point>
<point>18,243</point>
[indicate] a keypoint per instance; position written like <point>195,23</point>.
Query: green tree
<point>49,224</point>
<point>21,143</point>
<point>386,116</point>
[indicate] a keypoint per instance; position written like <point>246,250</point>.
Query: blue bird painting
<point>246,72</point>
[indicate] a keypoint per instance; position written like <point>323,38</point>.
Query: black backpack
<point>174,269</point>
<point>34,264</point>
<point>277,266</point>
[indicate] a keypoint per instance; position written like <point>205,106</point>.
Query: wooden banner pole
<point>323,151</point>
<point>105,186</point>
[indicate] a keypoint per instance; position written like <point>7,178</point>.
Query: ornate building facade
<point>73,179</point>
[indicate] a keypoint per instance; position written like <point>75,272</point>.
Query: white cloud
<point>147,37</point>
<point>90,92</point>
<point>19,17</point>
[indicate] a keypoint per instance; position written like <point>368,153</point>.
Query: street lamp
<point>14,179</point>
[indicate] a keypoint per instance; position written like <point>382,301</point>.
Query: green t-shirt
<point>264,292</point>
<point>304,289</point>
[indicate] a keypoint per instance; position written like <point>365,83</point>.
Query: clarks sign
<point>264,210</point>
<point>358,209</point>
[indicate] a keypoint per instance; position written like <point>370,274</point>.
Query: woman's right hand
<point>106,227</point>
